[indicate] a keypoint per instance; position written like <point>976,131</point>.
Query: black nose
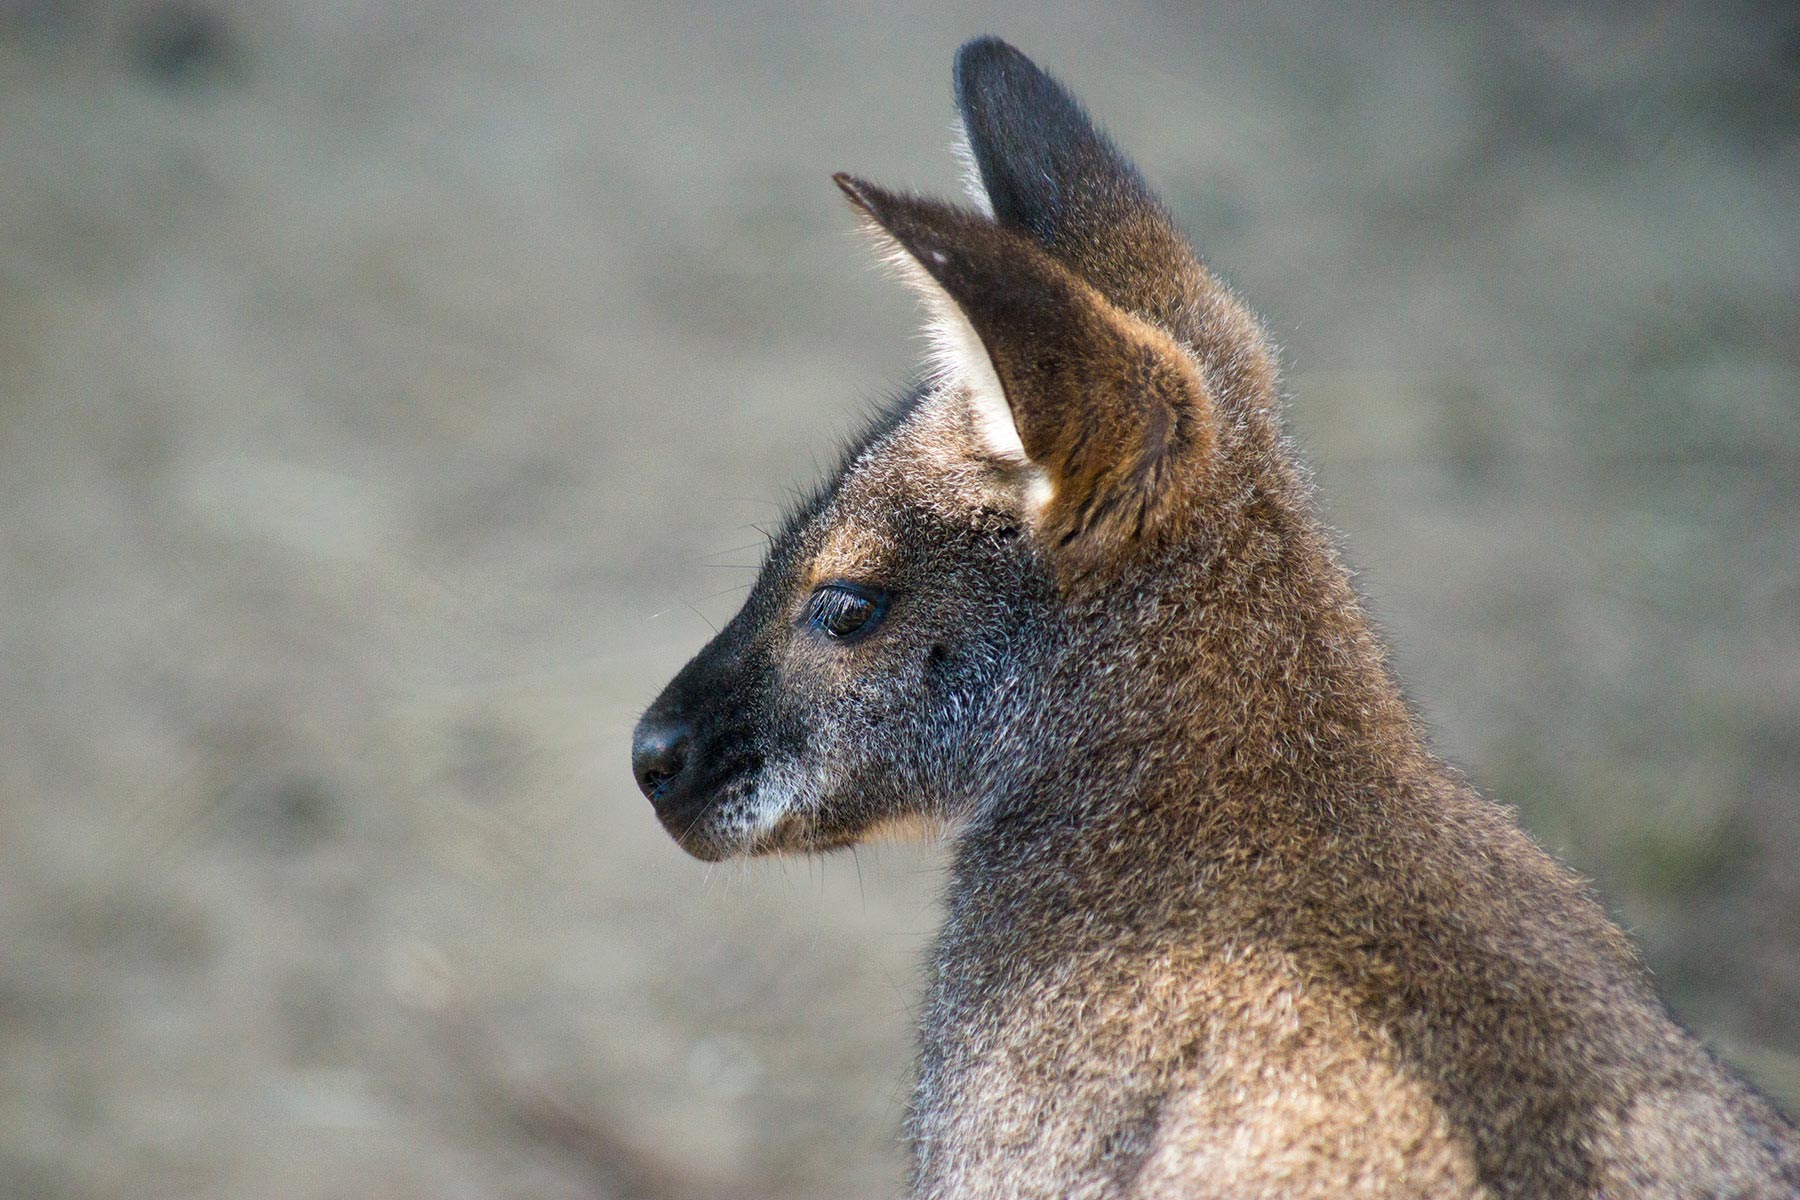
<point>659,756</point>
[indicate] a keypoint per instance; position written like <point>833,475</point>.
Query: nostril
<point>665,769</point>
<point>659,754</point>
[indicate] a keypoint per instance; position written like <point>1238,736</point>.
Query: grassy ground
<point>388,398</point>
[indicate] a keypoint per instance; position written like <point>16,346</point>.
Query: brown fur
<point>1129,386</point>
<point>1219,923</point>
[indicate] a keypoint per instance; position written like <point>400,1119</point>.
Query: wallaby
<point>1218,923</point>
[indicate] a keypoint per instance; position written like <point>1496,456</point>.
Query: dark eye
<point>839,610</point>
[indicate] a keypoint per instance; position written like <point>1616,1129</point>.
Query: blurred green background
<point>389,398</point>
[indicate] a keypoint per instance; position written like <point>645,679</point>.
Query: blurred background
<point>391,398</point>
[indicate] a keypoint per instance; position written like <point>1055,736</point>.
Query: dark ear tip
<point>980,57</point>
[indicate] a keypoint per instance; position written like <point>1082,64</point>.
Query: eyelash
<point>834,602</point>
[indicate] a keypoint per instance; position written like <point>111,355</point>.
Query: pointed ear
<point>1050,173</point>
<point>1105,416</point>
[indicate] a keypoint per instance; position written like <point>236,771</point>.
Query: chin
<point>733,825</point>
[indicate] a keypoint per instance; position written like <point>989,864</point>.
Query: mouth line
<point>690,820</point>
<point>715,786</point>
<point>693,829</point>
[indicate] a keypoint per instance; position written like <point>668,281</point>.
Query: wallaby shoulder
<point>1418,1003</point>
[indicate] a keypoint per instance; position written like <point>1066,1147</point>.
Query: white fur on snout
<point>777,795</point>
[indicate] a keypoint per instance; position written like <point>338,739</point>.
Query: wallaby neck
<point>1249,677</point>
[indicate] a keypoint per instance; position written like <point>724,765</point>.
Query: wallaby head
<point>1097,427</point>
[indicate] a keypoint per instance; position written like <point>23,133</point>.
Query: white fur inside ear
<point>957,359</point>
<point>973,188</point>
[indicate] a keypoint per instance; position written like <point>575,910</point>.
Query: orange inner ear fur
<point>1122,421</point>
